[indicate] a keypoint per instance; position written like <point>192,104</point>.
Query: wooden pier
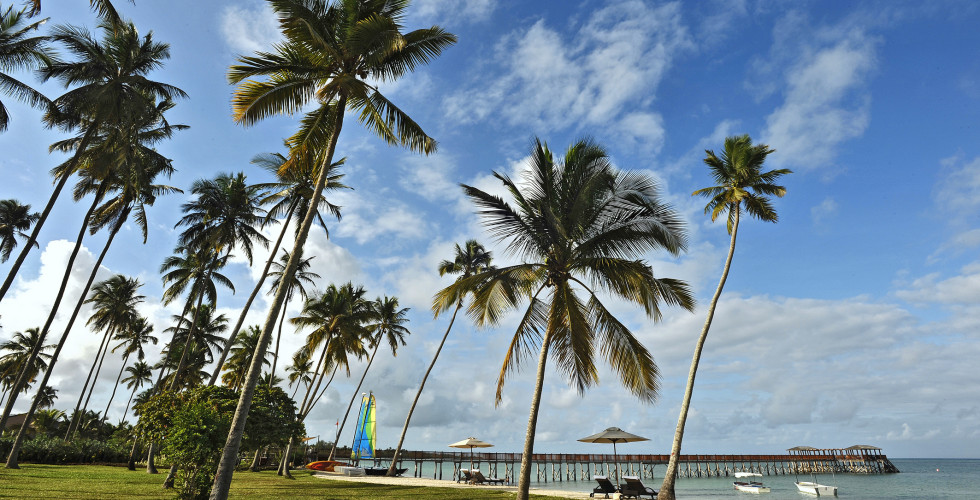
<point>561,467</point>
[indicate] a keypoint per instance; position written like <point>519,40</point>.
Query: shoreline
<point>442,483</point>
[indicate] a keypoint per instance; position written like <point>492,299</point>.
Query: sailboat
<point>365,438</point>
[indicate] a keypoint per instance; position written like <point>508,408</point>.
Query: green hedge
<point>52,450</point>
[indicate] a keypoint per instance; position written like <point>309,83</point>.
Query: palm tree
<point>140,373</point>
<point>114,89</point>
<point>47,397</point>
<point>241,358</point>
<point>20,51</point>
<point>470,259</point>
<point>301,276</point>
<point>112,78</point>
<point>114,304</point>
<point>196,342</point>
<point>289,196</point>
<point>18,350</point>
<point>196,271</point>
<point>14,220</point>
<point>299,372</point>
<point>741,186</point>
<point>224,215</point>
<point>388,324</point>
<point>581,228</point>
<point>331,53</point>
<point>103,8</point>
<point>137,334</point>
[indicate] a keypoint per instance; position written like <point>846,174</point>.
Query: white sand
<point>416,481</point>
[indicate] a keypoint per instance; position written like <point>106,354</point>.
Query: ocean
<point>920,478</point>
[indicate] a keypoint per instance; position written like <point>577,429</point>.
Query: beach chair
<point>606,487</point>
<point>635,489</point>
<point>479,478</point>
<point>465,476</point>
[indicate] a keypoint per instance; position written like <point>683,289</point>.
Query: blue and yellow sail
<point>364,434</point>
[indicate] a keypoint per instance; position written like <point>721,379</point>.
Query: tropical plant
<point>224,215</point>
<point>47,397</point>
<point>289,197</point>
<point>241,358</point>
<point>18,50</point>
<point>300,372</point>
<point>114,93</point>
<point>387,325</point>
<point>140,373</point>
<point>103,8</point>
<point>332,56</point>
<point>112,78</point>
<point>582,228</point>
<point>14,220</point>
<point>302,276</point>
<point>742,186</point>
<point>193,345</point>
<point>470,259</point>
<point>114,304</point>
<point>138,333</point>
<point>18,350</point>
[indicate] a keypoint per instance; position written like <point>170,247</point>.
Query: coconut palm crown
<point>581,228</point>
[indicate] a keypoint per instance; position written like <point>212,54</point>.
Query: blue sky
<point>854,320</point>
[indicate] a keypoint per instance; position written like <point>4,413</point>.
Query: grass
<point>100,481</point>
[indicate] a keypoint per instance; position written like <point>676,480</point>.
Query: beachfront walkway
<point>415,481</point>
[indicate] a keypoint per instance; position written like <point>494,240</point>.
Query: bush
<point>53,450</point>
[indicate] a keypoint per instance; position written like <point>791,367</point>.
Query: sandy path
<point>415,481</point>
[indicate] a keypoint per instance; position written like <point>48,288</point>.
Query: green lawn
<point>99,481</point>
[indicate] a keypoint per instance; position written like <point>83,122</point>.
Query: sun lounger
<point>465,476</point>
<point>606,487</point>
<point>634,488</point>
<point>479,478</point>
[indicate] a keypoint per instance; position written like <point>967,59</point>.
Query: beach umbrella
<point>613,435</point>
<point>470,442</point>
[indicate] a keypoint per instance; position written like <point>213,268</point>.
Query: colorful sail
<point>364,434</point>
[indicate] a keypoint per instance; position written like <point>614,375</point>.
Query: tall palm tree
<point>741,186</point>
<point>112,78</point>
<point>388,325</point>
<point>18,350</point>
<point>114,304</point>
<point>125,145</point>
<point>202,339</point>
<point>302,276</point>
<point>140,373</point>
<point>330,55</point>
<point>18,50</point>
<point>300,372</point>
<point>103,8</point>
<point>472,258</point>
<point>197,272</point>
<point>137,334</point>
<point>582,228</point>
<point>241,358</point>
<point>14,220</point>
<point>289,197</point>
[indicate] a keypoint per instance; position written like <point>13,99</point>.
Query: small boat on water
<point>820,490</point>
<point>750,486</point>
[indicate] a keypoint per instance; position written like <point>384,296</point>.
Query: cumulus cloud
<point>454,11</point>
<point>250,27</point>
<point>605,73</point>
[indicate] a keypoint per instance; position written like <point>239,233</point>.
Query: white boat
<point>820,490</point>
<point>750,486</point>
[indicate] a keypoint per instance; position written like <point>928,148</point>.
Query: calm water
<point>956,479</point>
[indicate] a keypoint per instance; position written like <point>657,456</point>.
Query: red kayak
<point>324,465</point>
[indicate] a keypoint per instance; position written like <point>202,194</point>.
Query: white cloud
<point>958,191</point>
<point>249,28</point>
<point>826,208</point>
<point>605,73</point>
<point>825,102</point>
<point>454,11</point>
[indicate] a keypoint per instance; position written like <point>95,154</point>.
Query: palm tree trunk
<point>317,379</point>
<point>275,354</point>
<point>315,400</point>
<point>286,458</point>
<point>91,389</point>
<point>131,463</point>
<point>22,378</point>
<point>19,440</point>
<point>350,405</point>
<point>76,415</point>
<point>255,461</point>
<point>229,455</point>
<point>44,215</point>
<point>151,467</point>
<point>248,304</point>
<point>667,488</point>
<point>163,363</point>
<point>114,388</point>
<point>524,483</point>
